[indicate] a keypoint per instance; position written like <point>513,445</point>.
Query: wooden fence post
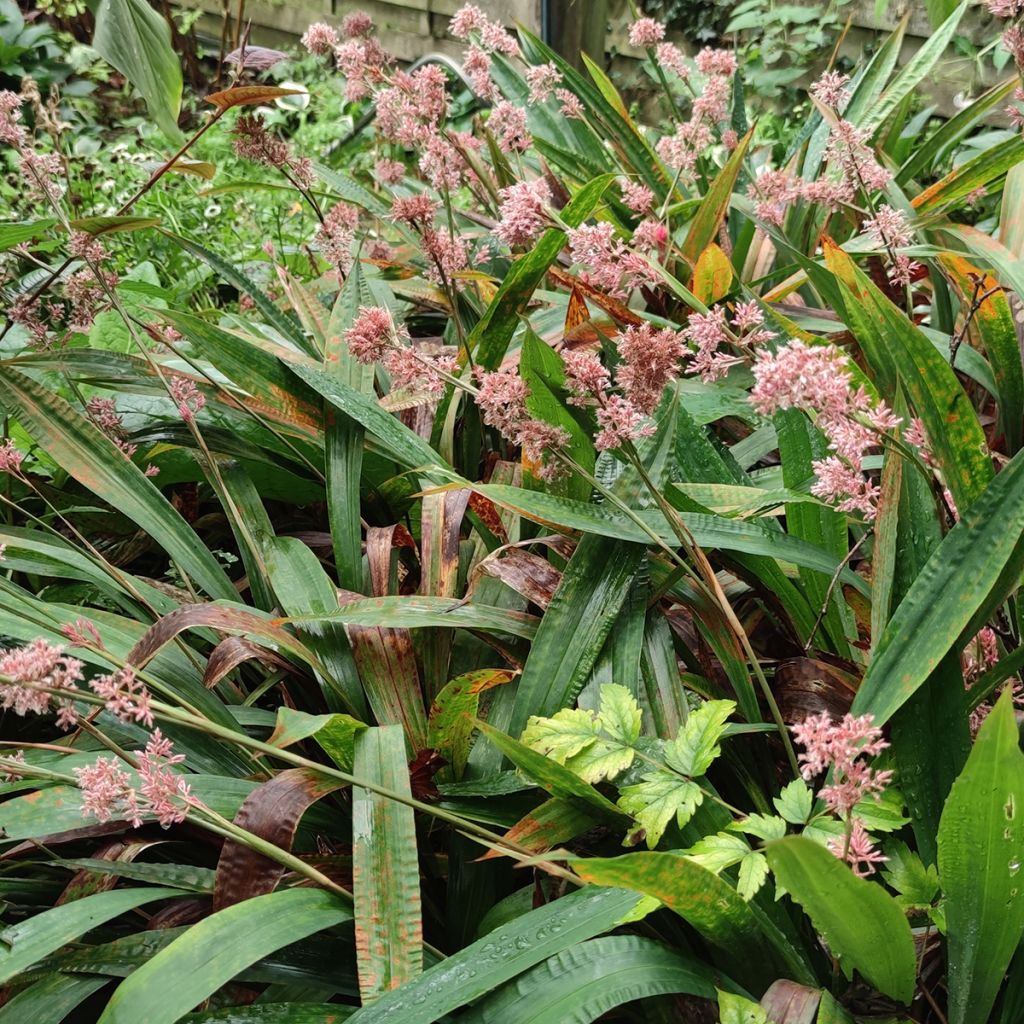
<point>575,27</point>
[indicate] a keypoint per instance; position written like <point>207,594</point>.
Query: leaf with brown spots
<point>552,823</point>
<point>527,574</point>
<point>272,811</point>
<point>235,650</point>
<point>220,617</point>
<point>454,711</point>
<point>385,868</point>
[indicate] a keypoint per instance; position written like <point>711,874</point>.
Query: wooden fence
<point>411,28</point>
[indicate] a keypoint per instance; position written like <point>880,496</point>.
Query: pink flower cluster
<point>107,791</point>
<point>10,458</point>
<point>890,229</point>
<point>693,137</point>
<point>336,234</point>
<point>30,669</point>
<point>850,157</point>
<point>709,334</point>
<point>374,338</point>
<point>502,398</point>
<point>125,697</point>
<point>523,211</point>
<point>189,399</point>
<point>840,747</point>
<point>609,263</point>
<point>815,378</point>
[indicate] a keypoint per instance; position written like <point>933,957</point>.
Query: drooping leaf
<point>862,923</point>
<point>136,40</point>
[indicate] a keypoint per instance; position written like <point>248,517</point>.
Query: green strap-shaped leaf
<point>594,586</point>
<point>385,868</point>
<point>586,981</point>
<point>136,40</point>
<point>275,1013</point>
<point>212,952</point>
<point>914,72</point>
<point>87,454</point>
<point>967,577</point>
<point>708,531</point>
<point>711,212</point>
<point>898,350</point>
<point>981,857</point>
<point>502,954</point>
<point>860,921</point>
<point>25,943</point>
<point>50,1000</point>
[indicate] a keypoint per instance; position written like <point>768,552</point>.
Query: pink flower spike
<point>645,33</point>
<point>10,458</point>
<point>860,852</point>
<point>372,334</point>
<point>523,212</point>
<point>320,38</point>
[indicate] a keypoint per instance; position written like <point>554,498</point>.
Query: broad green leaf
<point>708,531</point>
<point>292,1012</point>
<point>50,1000</point>
<point>862,924</point>
<point>13,233</point>
<point>88,455</point>
<point>993,319</point>
<point>968,177</point>
<point>385,867</point>
<point>284,324</point>
<point>25,943</point>
<point>951,131</point>
<point>655,801</point>
<point>755,950</point>
<point>113,224</point>
<point>586,982</point>
<point>696,746</point>
<point>136,40</point>
<point>336,734</point>
<point>981,850</point>
<point>403,445</point>
<point>898,350</point>
<point>502,954</point>
<point>552,776</point>
<point>954,591</point>
<point>450,723</point>
<point>216,949</point>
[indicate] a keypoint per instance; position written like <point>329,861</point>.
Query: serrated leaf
<point>753,872</point>
<point>619,714</point>
<point>659,798</point>
<point>718,852</point>
<point>794,802</point>
<point>917,883</point>
<point>696,746</point>
<point>764,826</point>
